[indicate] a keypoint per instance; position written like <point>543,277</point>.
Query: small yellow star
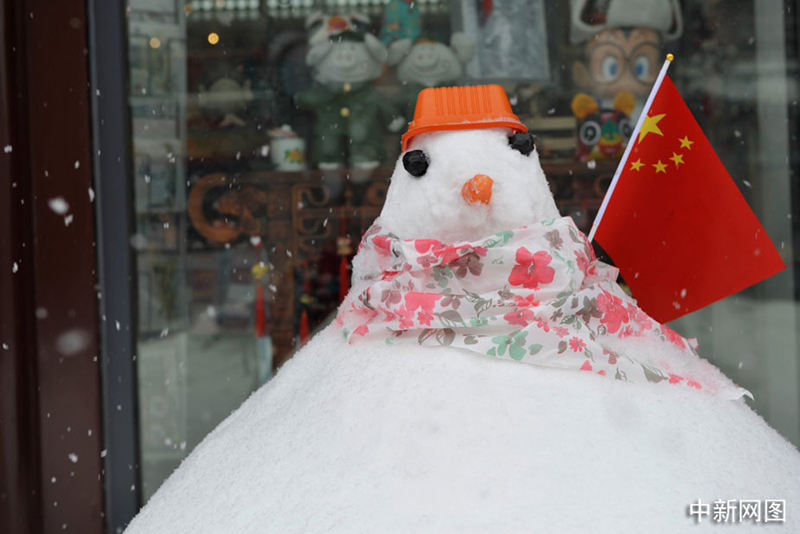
<point>685,143</point>
<point>650,125</point>
<point>677,159</point>
<point>636,165</point>
<point>660,167</point>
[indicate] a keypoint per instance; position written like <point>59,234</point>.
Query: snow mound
<point>377,438</point>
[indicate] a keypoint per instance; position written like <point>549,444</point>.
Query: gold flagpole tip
<point>670,57</point>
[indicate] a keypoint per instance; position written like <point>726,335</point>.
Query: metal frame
<point>111,133</point>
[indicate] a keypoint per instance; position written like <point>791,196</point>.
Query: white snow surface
<point>377,438</point>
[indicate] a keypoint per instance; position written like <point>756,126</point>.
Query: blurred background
<point>183,184</point>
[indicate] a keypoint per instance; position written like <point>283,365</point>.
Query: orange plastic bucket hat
<point>461,108</point>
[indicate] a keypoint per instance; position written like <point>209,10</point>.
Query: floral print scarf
<point>535,295</point>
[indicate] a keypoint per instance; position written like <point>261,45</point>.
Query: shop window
<point>265,132</point>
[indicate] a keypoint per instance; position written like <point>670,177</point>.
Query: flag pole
<point>631,142</point>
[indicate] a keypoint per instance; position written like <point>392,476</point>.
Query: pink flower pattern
<point>518,295</point>
<point>532,269</point>
<point>577,344</point>
<point>614,312</point>
<point>520,317</point>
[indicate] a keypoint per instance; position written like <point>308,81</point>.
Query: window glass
<point>264,133</point>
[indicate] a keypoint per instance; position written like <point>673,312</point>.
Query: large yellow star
<point>677,159</point>
<point>650,125</point>
<point>660,167</point>
<point>685,143</point>
<point>636,165</point>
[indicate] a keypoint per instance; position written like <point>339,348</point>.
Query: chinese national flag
<point>676,225</point>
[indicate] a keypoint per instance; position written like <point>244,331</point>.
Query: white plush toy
<point>414,414</point>
<point>427,63</point>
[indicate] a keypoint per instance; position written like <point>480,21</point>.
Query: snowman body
<point>367,435</point>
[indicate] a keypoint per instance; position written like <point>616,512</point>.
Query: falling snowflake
<point>58,205</point>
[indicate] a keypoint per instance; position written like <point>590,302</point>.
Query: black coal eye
<point>522,142</point>
<point>416,163</point>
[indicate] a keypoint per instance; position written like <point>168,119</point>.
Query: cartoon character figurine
<point>427,63</point>
<point>351,114</point>
<point>622,42</point>
<point>602,133</point>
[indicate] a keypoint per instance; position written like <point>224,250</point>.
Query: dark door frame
<point>67,325</point>
<point>113,168</point>
<point>50,466</point>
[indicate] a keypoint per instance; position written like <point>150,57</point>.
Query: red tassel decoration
<point>343,249</point>
<point>304,329</point>
<point>344,278</point>
<point>261,316</point>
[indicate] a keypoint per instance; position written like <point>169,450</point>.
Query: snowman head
<point>466,175</point>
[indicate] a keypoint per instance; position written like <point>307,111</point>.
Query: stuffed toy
<point>351,114</point>
<point>427,63</point>
<point>602,133</point>
<point>622,44</point>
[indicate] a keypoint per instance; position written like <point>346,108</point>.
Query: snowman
<point>485,374</point>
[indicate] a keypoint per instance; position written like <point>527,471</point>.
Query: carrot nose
<point>478,189</point>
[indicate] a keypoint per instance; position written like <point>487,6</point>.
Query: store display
<point>351,115</point>
<point>427,63</point>
<point>441,439</point>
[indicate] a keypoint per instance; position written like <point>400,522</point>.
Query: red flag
<point>675,223</point>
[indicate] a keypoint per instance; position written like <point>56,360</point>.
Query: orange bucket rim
<point>467,107</point>
<point>515,125</point>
